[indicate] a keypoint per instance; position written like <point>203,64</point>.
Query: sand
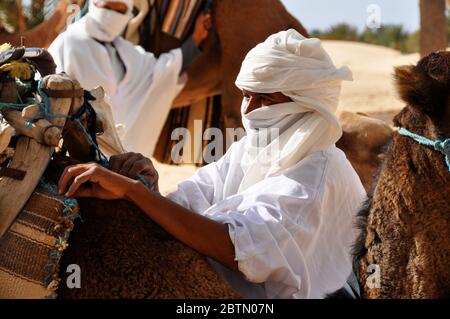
<point>372,91</point>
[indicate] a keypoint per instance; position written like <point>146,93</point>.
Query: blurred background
<point>334,20</point>
<point>347,20</point>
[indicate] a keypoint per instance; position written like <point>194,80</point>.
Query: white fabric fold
<point>301,69</point>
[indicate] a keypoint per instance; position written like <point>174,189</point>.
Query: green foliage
<point>392,36</point>
<point>8,15</point>
<point>34,14</point>
<point>342,31</point>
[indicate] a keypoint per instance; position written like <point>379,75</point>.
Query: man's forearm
<point>205,235</point>
<point>190,52</point>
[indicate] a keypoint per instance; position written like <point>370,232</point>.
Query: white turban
<point>301,69</point>
<point>106,25</point>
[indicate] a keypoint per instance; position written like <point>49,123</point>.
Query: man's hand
<point>202,26</point>
<point>93,180</point>
<point>132,165</point>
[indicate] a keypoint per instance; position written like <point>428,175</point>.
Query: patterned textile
<point>31,249</point>
<point>178,16</point>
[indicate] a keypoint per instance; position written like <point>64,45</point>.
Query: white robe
<point>140,98</point>
<point>292,233</point>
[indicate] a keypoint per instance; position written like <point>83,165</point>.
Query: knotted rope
<point>442,146</point>
<point>90,132</point>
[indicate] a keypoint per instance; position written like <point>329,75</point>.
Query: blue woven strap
<point>442,146</point>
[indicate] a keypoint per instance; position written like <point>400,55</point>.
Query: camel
<point>123,254</point>
<point>405,224</point>
<point>363,142</point>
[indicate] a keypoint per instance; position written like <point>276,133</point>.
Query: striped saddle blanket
<point>178,16</point>
<point>31,249</point>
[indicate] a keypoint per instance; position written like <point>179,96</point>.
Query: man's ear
<point>419,90</point>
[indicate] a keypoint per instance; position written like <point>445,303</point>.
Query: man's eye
<point>266,101</point>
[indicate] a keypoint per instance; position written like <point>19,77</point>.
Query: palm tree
<point>36,13</point>
<point>9,14</point>
<point>433,26</point>
<point>15,17</point>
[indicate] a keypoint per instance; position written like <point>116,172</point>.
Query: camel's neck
<point>422,160</point>
<point>407,222</point>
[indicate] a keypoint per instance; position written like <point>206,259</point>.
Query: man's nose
<point>252,104</point>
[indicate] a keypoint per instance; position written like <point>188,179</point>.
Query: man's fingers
<point>143,166</point>
<point>78,181</point>
<point>116,161</point>
<point>68,175</point>
<point>137,168</point>
<point>84,192</point>
<point>128,164</point>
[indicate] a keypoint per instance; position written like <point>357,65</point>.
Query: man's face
<point>119,7</point>
<point>257,100</point>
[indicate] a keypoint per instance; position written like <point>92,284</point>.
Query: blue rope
<point>148,185</point>
<point>103,159</point>
<point>442,146</point>
<point>13,106</point>
<point>45,106</point>
<point>83,11</point>
<point>69,202</point>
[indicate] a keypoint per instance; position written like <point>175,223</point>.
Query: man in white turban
<point>275,214</point>
<point>139,87</point>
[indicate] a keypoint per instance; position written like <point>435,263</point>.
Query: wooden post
<point>32,157</point>
<point>42,130</point>
<point>6,132</point>
<point>433,26</point>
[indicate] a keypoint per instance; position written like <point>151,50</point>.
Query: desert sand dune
<point>371,92</point>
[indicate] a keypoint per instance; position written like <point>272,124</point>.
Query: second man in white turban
<point>139,87</point>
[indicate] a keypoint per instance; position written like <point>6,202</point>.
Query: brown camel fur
<point>406,222</point>
<point>123,254</point>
